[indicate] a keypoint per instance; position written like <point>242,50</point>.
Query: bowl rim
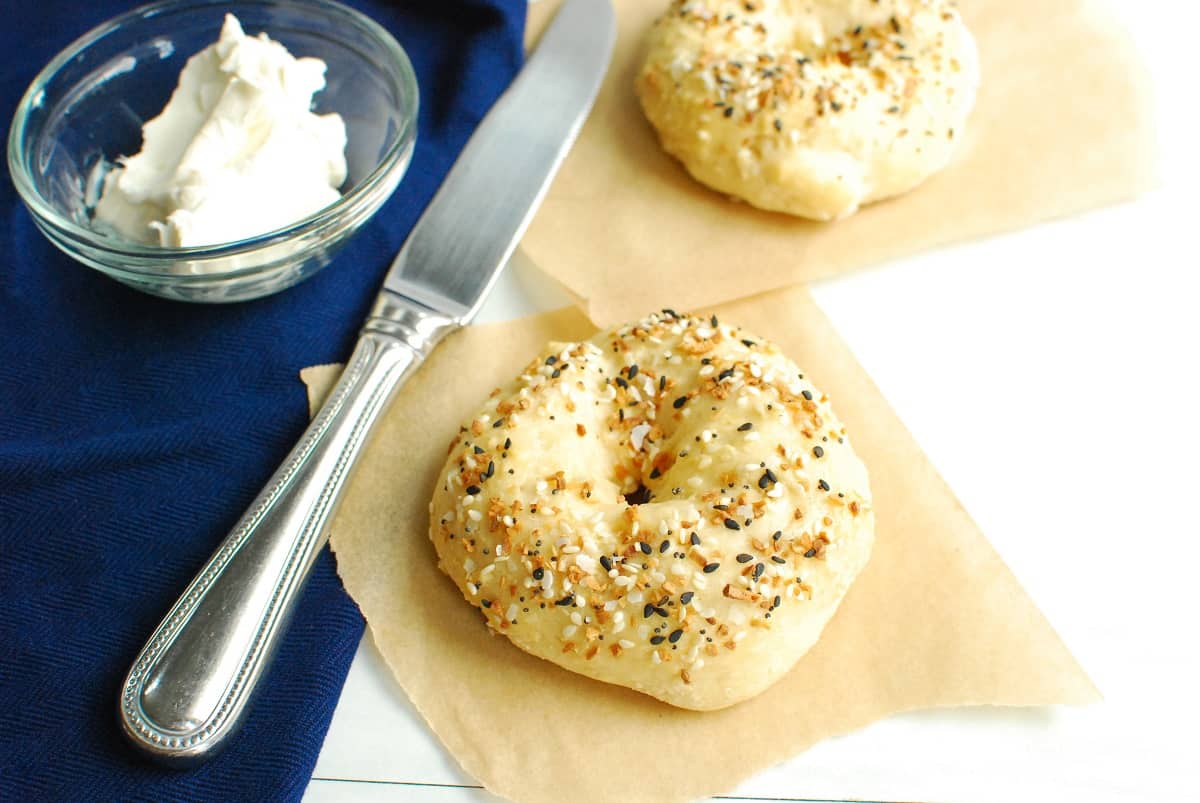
<point>360,196</point>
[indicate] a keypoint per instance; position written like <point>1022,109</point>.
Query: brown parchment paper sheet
<point>936,619</point>
<point>1062,124</point>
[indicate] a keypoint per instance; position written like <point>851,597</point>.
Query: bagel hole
<point>638,497</point>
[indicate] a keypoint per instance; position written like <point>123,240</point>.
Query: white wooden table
<point>1070,350</point>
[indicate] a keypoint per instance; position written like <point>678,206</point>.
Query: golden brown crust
<point>757,519</point>
<point>810,107</point>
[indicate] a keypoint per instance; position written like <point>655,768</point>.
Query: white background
<point>1051,376</point>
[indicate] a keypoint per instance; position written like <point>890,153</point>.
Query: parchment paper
<point>936,619</point>
<point>1062,124</point>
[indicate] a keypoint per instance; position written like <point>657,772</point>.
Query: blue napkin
<point>134,431</point>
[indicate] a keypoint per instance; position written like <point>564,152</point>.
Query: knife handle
<point>190,686</point>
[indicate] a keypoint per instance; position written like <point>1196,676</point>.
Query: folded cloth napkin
<point>134,431</point>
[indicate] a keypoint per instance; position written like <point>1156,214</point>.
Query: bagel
<point>811,108</point>
<point>669,506</point>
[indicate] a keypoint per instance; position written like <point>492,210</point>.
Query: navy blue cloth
<point>134,431</point>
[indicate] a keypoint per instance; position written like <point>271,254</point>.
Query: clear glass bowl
<point>88,105</point>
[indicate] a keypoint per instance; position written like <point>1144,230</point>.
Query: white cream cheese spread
<point>236,152</point>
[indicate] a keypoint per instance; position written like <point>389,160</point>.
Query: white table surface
<point>1069,351</point>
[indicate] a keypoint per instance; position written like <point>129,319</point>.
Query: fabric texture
<point>134,431</point>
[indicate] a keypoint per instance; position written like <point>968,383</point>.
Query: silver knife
<point>189,688</point>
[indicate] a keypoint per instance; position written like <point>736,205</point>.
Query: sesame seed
<point>730,524</point>
<point>686,597</point>
<point>744,558</point>
<point>675,636</point>
<point>646,548</point>
<point>824,486</point>
<point>711,567</point>
<point>473,490</point>
<point>778,559</point>
<point>682,400</point>
<point>818,451</point>
<point>656,640</point>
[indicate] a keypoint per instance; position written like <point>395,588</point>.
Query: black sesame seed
<point>686,597</point>
<point>478,450</point>
<point>670,312</point>
<point>810,553</point>
<point>498,423</point>
<point>806,394</point>
<point>720,507</point>
<point>777,535</point>
<point>487,603</point>
<point>744,558</point>
<point>621,382</point>
<point>606,563</point>
<point>648,611</point>
<point>778,559</point>
<point>569,599</point>
<point>539,573</point>
<point>730,524</point>
<point>491,469</point>
<point>818,451</point>
<point>557,373</point>
<point>715,323</point>
<point>758,570</point>
<point>675,636</point>
<point>749,343</point>
<point>551,360</point>
<point>662,383</point>
<point>775,603</point>
<point>657,639</point>
<point>824,486</point>
<point>695,540</point>
<point>633,369</point>
<point>508,443</point>
<point>664,546</point>
<point>663,612</point>
<point>655,473</point>
<point>711,567</point>
<point>729,111</point>
<point>728,372</point>
<point>646,548</point>
<point>472,490</point>
<point>746,427</point>
<point>682,400</point>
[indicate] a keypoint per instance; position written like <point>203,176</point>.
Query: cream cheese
<point>235,153</point>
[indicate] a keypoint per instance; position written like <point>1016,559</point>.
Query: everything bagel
<point>670,506</point>
<point>810,107</point>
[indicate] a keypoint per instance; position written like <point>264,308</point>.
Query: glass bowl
<point>87,107</point>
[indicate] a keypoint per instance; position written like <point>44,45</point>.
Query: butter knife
<point>190,686</point>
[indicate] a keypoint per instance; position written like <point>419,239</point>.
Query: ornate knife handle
<point>191,684</point>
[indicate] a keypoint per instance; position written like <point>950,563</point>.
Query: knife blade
<point>506,168</point>
<point>190,686</point>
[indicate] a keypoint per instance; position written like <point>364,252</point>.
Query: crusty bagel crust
<point>753,516</point>
<point>810,107</point>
